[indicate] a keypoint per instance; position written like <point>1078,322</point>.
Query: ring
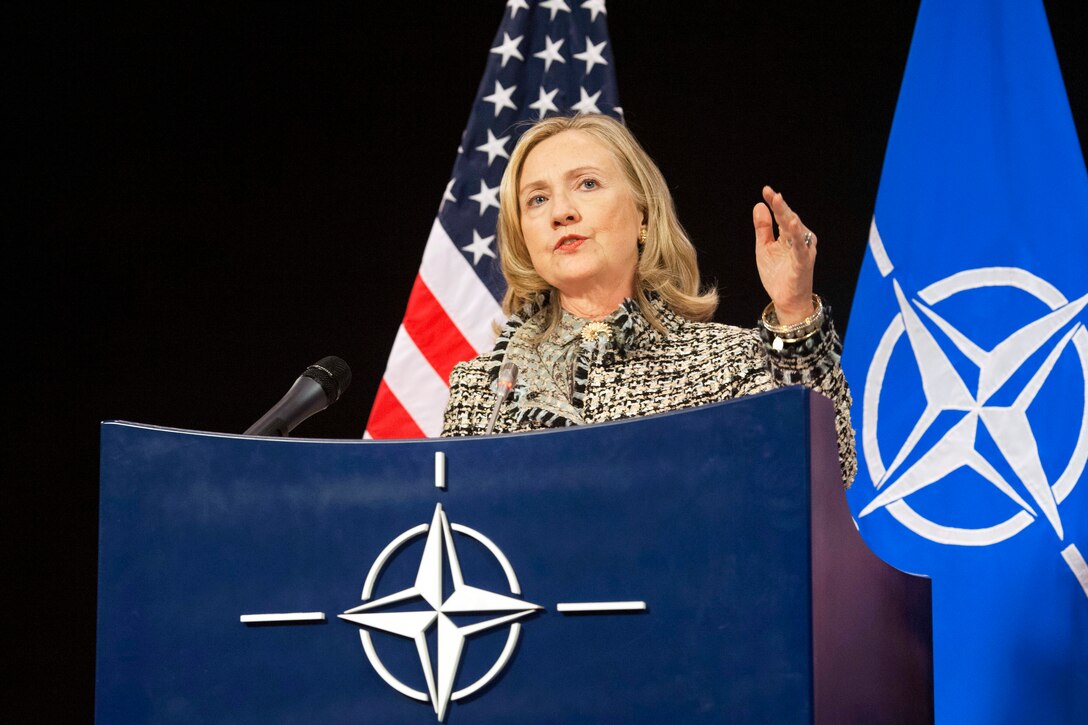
<point>808,239</point>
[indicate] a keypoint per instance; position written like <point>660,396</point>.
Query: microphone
<point>319,386</point>
<point>508,375</point>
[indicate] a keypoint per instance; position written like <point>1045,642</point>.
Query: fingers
<point>761,220</point>
<point>789,224</point>
<point>790,228</point>
<point>769,195</point>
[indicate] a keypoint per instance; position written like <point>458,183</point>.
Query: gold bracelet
<point>778,339</point>
<point>784,330</point>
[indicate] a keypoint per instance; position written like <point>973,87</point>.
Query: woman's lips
<point>569,243</point>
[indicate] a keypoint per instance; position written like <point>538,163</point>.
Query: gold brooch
<point>592,330</point>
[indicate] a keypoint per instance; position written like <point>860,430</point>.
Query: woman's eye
<point>536,200</point>
<point>590,184</point>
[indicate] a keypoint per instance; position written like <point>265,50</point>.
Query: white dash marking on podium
<point>575,607</point>
<point>439,469</point>
<point>283,618</point>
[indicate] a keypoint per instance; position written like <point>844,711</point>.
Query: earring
<point>642,232</point>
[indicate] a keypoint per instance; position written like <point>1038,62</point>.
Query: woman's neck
<point>594,306</point>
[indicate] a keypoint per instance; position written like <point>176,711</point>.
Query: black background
<point>210,198</point>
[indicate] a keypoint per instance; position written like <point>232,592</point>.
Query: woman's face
<point>579,218</point>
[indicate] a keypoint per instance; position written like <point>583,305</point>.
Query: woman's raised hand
<point>785,263</point>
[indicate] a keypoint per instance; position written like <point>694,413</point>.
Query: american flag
<point>548,58</point>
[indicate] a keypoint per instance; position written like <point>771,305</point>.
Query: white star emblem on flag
<point>495,147</point>
<point>509,48</point>
<point>480,247</point>
<point>487,196</point>
<point>592,55</point>
<point>545,102</point>
<point>587,103</point>
<point>501,98</point>
<point>594,7</point>
<point>551,52</point>
<point>516,5</point>
<point>555,6</point>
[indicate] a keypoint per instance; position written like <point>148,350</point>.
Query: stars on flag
<point>480,247</point>
<point>487,196</point>
<point>592,55</point>
<point>545,103</point>
<point>501,99</point>
<point>447,195</point>
<point>494,147</point>
<point>509,48</point>
<point>587,103</point>
<point>551,52</point>
<point>594,7</point>
<point>555,6</point>
<point>516,5</point>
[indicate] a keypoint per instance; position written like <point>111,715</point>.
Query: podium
<point>698,566</point>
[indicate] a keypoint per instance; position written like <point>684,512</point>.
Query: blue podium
<point>699,566</point>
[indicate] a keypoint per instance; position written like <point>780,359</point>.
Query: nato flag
<point>968,355</point>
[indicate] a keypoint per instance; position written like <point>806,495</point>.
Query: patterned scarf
<point>553,374</point>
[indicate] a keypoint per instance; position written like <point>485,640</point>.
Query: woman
<point>607,319</point>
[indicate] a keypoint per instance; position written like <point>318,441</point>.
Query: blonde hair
<point>667,263</point>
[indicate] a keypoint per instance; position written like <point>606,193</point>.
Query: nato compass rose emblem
<point>428,606</point>
<point>428,590</point>
<point>1011,375</point>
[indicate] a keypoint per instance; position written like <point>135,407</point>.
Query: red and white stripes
<point>449,319</point>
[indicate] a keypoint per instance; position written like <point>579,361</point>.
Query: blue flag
<point>968,356</point>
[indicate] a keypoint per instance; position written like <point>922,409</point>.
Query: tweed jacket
<point>636,370</point>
